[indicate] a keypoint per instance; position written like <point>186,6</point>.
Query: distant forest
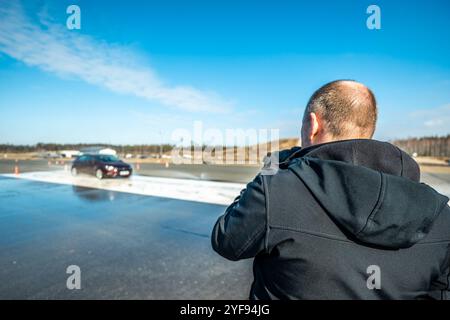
<point>425,146</point>
<point>123,149</point>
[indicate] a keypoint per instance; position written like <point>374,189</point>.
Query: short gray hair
<point>345,105</point>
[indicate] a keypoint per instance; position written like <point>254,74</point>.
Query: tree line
<point>426,146</point>
<point>55,147</point>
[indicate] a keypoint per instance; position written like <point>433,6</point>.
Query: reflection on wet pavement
<point>127,245</point>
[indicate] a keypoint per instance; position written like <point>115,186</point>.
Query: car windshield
<point>108,158</point>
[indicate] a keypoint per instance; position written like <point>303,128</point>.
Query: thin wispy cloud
<point>421,122</point>
<point>436,118</point>
<point>53,48</point>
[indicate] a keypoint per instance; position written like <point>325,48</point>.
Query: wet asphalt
<point>127,246</point>
<point>237,173</point>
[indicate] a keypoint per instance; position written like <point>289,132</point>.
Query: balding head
<point>343,109</point>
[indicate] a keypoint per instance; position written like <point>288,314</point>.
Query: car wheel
<point>74,172</point>
<point>99,174</point>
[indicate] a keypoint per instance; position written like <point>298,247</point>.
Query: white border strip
<point>222,193</point>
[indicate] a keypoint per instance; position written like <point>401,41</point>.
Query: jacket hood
<point>370,189</point>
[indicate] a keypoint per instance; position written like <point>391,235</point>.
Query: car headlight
<point>109,168</point>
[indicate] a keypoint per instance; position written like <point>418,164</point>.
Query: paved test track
<point>127,245</point>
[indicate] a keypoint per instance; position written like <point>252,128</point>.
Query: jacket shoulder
<point>440,231</point>
<point>292,206</point>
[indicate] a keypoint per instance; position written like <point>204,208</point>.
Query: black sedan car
<point>102,166</point>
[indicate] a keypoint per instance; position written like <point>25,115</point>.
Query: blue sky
<point>138,70</point>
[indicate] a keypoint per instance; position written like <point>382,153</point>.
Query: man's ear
<point>314,126</point>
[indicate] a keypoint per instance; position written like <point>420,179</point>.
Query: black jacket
<point>334,213</point>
